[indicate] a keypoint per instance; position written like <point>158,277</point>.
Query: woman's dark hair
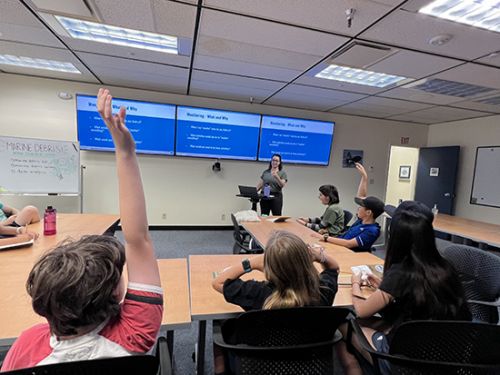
<point>430,283</point>
<point>75,284</point>
<point>271,165</point>
<point>331,192</point>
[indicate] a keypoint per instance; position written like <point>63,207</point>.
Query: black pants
<point>274,204</point>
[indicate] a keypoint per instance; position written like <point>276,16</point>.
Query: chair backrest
<point>479,273</point>
<point>140,364</point>
<point>347,217</point>
<point>424,347</point>
<point>285,341</point>
<point>238,236</point>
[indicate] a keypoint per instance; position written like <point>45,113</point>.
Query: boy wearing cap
<point>365,231</point>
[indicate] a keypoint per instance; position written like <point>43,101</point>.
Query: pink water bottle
<point>49,221</point>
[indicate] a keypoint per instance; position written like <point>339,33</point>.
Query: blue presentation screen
<point>152,125</point>
<point>296,140</point>
<point>218,134</point>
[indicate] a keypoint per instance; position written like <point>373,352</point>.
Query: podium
<point>255,199</point>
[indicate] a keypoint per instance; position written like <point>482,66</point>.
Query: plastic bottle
<point>267,190</point>
<point>49,221</point>
<point>435,209</point>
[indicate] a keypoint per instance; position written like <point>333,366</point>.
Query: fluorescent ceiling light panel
<point>358,76</point>
<point>98,32</point>
<point>34,63</point>
<point>484,14</point>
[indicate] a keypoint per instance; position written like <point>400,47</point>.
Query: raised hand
<point>361,170</point>
<point>122,138</point>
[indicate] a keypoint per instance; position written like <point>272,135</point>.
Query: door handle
<point>447,194</point>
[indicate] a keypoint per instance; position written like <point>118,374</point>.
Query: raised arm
<point>141,260</point>
<point>363,183</point>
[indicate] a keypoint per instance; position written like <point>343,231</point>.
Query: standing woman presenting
<point>276,178</point>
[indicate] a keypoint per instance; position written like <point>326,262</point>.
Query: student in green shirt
<point>332,221</point>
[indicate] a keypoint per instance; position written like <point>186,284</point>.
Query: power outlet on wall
<point>223,217</point>
<point>164,216</point>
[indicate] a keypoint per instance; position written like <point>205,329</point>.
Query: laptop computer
<point>248,191</point>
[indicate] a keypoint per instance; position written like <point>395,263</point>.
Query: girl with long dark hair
<point>418,283</point>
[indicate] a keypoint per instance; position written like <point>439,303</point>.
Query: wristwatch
<point>325,237</point>
<point>246,265</point>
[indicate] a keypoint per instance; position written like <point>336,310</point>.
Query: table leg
<point>200,358</point>
<point>170,344</point>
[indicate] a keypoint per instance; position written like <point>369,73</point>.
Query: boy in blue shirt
<point>365,231</point>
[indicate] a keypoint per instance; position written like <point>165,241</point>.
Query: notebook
<point>15,242</point>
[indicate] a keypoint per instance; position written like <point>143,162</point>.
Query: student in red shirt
<point>78,286</point>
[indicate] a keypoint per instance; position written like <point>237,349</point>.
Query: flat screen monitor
<point>296,140</point>
<point>152,125</point>
<point>212,133</point>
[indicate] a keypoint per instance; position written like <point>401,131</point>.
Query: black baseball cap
<point>412,206</point>
<point>372,203</point>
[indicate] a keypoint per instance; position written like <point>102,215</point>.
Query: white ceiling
<point>269,51</point>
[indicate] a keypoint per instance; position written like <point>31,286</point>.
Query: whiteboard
<point>486,182</point>
<point>39,166</point>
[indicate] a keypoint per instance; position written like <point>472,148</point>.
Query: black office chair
<point>347,218</point>
<point>159,363</point>
<point>282,341</point>
<point>436,348</point>
<point>243,241</point>
<point>479,272</point>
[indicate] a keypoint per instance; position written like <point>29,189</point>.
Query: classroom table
<point>208,304</point>
<point>261,231</point>
<point>16,313</point>
<point>176,306</point>
<point>478,231</point>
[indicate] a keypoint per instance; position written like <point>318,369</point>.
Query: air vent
<point>451,88</point>
<point>494,100</point>
<point>82,9</point>
<point>361,55</point>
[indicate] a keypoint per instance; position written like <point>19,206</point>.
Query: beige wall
<point>186,189</point>
<point>469,134</point>
<point>400,188</point>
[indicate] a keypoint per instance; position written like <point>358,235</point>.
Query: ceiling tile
<point>328,15</point>
<point>299,96</point>
<point>250,47</point>
<point>438,114</point>
<point>137,74</point>
<point>18,24</point>
<point>132,14</point>
<point>174,19</point>
<point>491,59</point>
<point>413,30</point>
<point>380,107</point>
<point>480,106</point>
<point>48,53</point>
<point>413,64</point>
<point>232,87</point>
